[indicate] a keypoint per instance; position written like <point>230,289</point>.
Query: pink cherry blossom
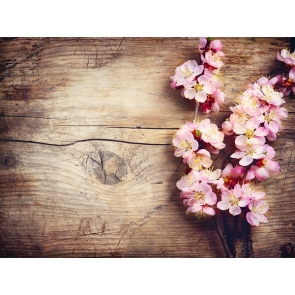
<point>235,172</point>
<point>248,153</point>
<point>287,57</point>
<point>250,102</point>
<point>209,175</point>
<point>218,99</point>
<point>199,90</point>
<point>265,81</point>
<point>185,144</point>
<point>214,59</point>
<point>210,134</point>
<point>262,168</point>
<point>195,90</point>
<point>200,159</point>
<point>200,200</point>
<point>272,120</point>
<point>287,84</point>
<point>186,181</point>
<point>240,117</point>
<point>251,128</point>
<point>232,199</point>
<point>271,96</point>
<point>227,128</point>
<point>257,211</point>
<point>251,193</point>
<point>202,44</point>
<point>215,45</point>
<point>186,73</point>
<point>212,176</point>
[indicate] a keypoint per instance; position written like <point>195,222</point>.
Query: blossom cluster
<point>200,81</point>
<point>194,142</point>
<point>256,119</point>
<point>287,83</point>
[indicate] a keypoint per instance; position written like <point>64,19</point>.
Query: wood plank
<point>87,167</point>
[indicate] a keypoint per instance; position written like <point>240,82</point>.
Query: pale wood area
<point>87,167</point>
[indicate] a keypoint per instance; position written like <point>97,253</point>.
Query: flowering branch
<point>256,119</point>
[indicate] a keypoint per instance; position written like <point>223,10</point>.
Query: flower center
<point>187,73</point>
<point>233,199</point>
<point>249,133</point>
<point>259,209</point>
<point>186,145</point>
<point>198,87</point>
<point>269,117</point>
<point>197,162</point>
<point>200,197</point>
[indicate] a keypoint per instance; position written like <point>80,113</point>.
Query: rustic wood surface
<point>87,167</point>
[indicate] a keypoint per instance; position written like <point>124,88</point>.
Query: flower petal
<point>223,205</point>
<point>209,210</point>
<point>235,210</point>
<point>246,160</point>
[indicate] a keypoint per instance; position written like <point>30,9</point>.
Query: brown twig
<point>234,234</point>
<point>227,233</point>
<point>222,238</point>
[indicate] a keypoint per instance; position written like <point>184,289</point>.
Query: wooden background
<point>87,167</point>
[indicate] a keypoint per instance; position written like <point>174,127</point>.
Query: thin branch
<point>196,112</point>
<point>227,233</point>
<point>222,238</point>
<point>234,234</point>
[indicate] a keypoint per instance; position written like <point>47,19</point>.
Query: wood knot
<point>106,167</point>
<point>9,161</point>
<point>287,251</point>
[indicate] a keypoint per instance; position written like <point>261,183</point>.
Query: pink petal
<point>189,93</point>
<point>273,127</point>
<point>261,173</point>
<point>215,107</point>
<point>207,162</point>
<point>246,160</point>
<point>252,219</point>
<point>205,188</point>
<point>227,170</point>
<point>223,205</point>
<point>209,210</point>
<point>235,210</point>
<point>262,218</point>
<point>240,140</point>
<point>201,96</point>
<point>210,198</point>
<point>244,202</point>
<point>262,206</point>
<point>196,208</point>
<point>238,171</point>
<point>272,166</point>
<point>195,145</point>
<point>216,45</point>
<point>179,152</point>
<point>188,136</point>
<point>238,155</point>
<point>261,131</point>
<point>204,152</point>
<point>271,136</point>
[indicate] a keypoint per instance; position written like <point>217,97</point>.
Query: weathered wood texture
<point>87,167</point>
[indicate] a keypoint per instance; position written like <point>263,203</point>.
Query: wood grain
<point>87,167</point>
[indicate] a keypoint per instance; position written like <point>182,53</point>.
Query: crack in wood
<point>84,140</point>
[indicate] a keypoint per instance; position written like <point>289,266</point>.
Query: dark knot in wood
<point>287,251</point>
<point>9,161</point>
<point>106,167</point>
